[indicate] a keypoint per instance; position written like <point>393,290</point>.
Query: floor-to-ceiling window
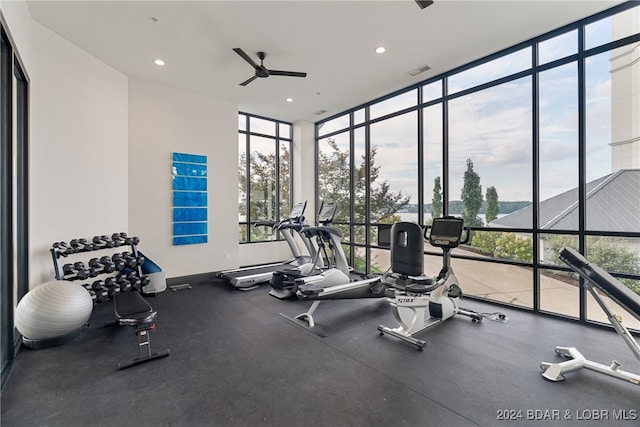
<point>264,175</point>
<point>536,147</point>
<point>14,212</point>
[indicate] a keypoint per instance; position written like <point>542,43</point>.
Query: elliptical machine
<point>251,277</point>
<point>283,280</point>
<point>418,302</point>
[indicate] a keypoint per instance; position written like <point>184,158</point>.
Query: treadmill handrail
<point>320,230</point>
<point>265,223</point>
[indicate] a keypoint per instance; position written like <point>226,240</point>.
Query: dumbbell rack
<point>122,272</point>
<point>106,276</point>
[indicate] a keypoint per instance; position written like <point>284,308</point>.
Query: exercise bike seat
<point>131,309</point>
<point>420,288</point>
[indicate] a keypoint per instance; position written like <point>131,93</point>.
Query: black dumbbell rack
<point>104,276</point>
<point>122,272</point>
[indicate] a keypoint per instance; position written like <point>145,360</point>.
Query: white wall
<point>100,157</point>
<point>304,174</point>
<point>164,120</point>
<point>78,141</point>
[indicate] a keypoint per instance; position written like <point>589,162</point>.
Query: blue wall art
<point>189,174</point>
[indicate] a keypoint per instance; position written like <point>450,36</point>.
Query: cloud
<point>493,128</point>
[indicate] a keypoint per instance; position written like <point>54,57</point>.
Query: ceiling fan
<point>261,70</point>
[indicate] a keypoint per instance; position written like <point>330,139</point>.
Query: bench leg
<point>144,347</point>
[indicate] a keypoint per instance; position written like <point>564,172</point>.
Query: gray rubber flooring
<point>235,361</point>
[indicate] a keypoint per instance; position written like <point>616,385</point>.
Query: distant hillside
<point>455,207</point>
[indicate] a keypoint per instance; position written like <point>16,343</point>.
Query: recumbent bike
<point>419,302</point>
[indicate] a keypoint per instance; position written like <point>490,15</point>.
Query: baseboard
<point>192,279</point>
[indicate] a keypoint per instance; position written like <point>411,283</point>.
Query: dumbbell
<point>97,285</point>
<point>131,240</point>
<point>75,244</point>
<point>125,285</point>
<point>82,274</point>
<point>111,286</point>
<point>132,262</point>
<point>87,246</point>
<point>101,295</point>
<point>118,261</point>
<point>109,267</point>
<point>101,266</point>
<point>101,242</point>
<point>127,258</point>
<point>70,272</point>
<point>81,245</point>
<point>114,290</point>
<point>68,269</point>
<point>62,248</point>
<point>118,239</point>
<point>133,278</point>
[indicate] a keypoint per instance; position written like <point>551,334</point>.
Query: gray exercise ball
<point>53,309</point>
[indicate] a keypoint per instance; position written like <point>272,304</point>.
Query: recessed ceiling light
<point>158,62</point>
<point>289,100</point>
<point>380,49</point>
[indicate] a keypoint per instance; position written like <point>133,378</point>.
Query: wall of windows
<point>14,195</point>
<point>536,147</point>
<point>264,171</point>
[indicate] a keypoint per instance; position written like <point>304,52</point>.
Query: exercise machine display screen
<point>446,230</point>
<point>327,212</point>
<point>297,210</point>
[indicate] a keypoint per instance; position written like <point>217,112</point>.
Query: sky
<point>493,127</point>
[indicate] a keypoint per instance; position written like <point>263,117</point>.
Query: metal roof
<point>613,204</point>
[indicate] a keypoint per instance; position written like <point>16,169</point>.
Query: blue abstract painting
<point>189,176</point>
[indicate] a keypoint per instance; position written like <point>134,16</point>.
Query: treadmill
<point>251,277</point>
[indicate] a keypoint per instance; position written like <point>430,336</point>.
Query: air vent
<point>418,70</point>
<point>317,113</point>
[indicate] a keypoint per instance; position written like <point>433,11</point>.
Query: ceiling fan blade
<point>245,56</point>
<point>249,80</point>
<point>287,73</point>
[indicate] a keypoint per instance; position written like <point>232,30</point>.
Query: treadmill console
<point>297,210</point>
<point>327,212</point>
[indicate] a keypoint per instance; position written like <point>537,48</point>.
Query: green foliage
<point>485,242</point>
<point>334,184</point>
<point>610,253</point>
<point>492,208</point>
<point>509,246</point>
<point>262,184</point>
<point>436,201</point>
<point>503,245</point>
<point>471,197</point>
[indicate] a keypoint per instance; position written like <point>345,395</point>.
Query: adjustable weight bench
<point>597,279</point>
<point>131,309</point>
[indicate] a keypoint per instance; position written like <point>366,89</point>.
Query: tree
<point>471,197</point>
<point>492,209</point>
<point>334,181</point>
<point>436,201</point>
<point>262,188</point>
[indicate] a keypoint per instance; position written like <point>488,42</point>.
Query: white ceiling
<point>333,41</point>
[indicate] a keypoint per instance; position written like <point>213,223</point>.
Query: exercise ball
<point>53,309</point>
